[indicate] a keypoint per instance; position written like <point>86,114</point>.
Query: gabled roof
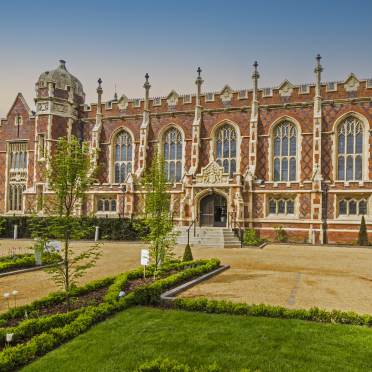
<point>284,83</point>
<point>22,99</point>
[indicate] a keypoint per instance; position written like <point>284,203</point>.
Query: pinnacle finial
<point>255,65</point>
<point>318,58</point>
<point>147,77</point>
<point>199,70</point>
<point>99,82</point>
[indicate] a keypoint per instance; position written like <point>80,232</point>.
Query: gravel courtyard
<point>291,276</point>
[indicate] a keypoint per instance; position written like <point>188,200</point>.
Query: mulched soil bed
<point>92,298</point>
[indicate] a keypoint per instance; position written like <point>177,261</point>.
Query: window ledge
<point>282,216</point>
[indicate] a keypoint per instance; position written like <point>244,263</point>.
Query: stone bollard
<point>96,234</point>
<point>15,232</point>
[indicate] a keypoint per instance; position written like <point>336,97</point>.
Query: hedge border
<point>16,356</point>
<point>314,314</point>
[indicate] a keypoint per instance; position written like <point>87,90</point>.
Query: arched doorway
<point>213,211</point>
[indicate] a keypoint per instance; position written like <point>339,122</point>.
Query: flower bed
<point>35,337</point>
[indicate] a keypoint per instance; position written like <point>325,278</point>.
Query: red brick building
<point>296,156</point>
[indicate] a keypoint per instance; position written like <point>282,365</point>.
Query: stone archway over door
<point>213,211</point>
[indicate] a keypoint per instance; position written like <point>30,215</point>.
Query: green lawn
<point>140,334</point>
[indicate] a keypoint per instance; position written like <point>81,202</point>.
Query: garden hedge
<point>110,228</point>
<point>49,332</point>
<point>25,261</point>
<point>314,314</point>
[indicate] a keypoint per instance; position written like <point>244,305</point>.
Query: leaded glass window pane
<point>341,168</point>
<point>173,156</point>
<point>349,168</point>
<point>352,207</point>
<point>226,166</point>
<point>342,207</point>
<point>123,156</point>
<point>362,207</point>
<point>281,206</point>
<point>292,169</point>
<point>272,206</point>
<point>113,205</point>
<point>358,167</point>
<point>351,132</point>
<point>285,152</point>
<point>284,170</point>
<point>276,169</point>
<point>290,207</point>
<point>232,166</point>
<point>226,148</point>
<point>178,171</point>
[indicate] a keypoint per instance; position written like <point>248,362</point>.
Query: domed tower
<point>59,96</point>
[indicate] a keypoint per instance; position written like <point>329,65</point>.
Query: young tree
<point>363,236</point>
<point>69,176</point>
<point>158,220</point>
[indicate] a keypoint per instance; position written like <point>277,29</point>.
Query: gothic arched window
<point>226,148</point>
<point>123,156</point>
<point>172,152</point>
<point>350,150</point>
<point>285,152</point>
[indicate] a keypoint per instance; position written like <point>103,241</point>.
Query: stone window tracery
<point>352,207</point>
<point>123,151</point>
<point>17,175</point>
<point>350,150</point>
<point>106,204</point>
<point>285,152</point>
<point>226,143</point>
<point>281,207</point>
<point>172,153</point>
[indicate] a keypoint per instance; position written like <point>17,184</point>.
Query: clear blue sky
<point>122,40</point>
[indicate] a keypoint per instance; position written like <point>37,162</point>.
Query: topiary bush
<point>187,255</point>
<point>251,238</point>
<point>363,236</point>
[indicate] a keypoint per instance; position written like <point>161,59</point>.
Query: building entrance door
<point>213,211</point>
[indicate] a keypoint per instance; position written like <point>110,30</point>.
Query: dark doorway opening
<point>213,211</point>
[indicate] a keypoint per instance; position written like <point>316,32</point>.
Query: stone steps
<point>216,237</point>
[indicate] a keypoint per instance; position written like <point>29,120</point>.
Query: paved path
<point>293,276</point>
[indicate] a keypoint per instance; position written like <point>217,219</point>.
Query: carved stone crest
<point>351,84</point>
<point>212,174</point>
<point>285,89</point>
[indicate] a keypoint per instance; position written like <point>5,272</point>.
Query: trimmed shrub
<point>187,255</point>
<point>363,236</point>
<point>110,228</point>
<point>251,238</point>
<point>314,314</point>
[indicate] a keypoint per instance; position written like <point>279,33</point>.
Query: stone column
<point>316,193</point>
<point>253,123</point>
<point>144,129</point>
<point>196,127</point>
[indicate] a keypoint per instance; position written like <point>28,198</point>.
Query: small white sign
<point>145,257</point>
<point>53,246</point>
